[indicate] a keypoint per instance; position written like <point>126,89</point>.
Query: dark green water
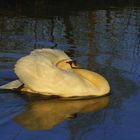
<point>101,36</point>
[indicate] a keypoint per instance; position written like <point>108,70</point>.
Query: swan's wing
<point>54,55</point>
<point>12,85</point>
<point>40,75</point>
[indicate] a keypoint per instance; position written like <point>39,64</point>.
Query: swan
<point>52,72</point>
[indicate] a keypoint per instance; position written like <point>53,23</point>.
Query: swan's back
<point>54,55</point>
<point>38,72</point>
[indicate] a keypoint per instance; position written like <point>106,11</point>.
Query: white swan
<point>52,72</point>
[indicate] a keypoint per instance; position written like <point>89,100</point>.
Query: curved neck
<point>61,61</point>
<point>88,75</point>
<point>94,78</point>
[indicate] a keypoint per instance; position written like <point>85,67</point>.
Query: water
<point>101,37</point>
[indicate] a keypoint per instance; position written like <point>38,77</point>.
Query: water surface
<point>101,38</point>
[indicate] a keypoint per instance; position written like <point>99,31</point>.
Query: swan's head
<point>67,64</point>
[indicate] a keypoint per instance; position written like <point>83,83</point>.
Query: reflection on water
<point>45,114</point>
<point>103,39</point>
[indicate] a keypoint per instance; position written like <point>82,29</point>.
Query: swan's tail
<point>12,85</point>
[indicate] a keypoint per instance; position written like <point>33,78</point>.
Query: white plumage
<point>49,72</point>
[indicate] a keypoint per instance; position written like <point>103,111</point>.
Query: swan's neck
<point>96,79</point>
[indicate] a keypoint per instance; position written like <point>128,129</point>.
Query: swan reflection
<point>45,114</point>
